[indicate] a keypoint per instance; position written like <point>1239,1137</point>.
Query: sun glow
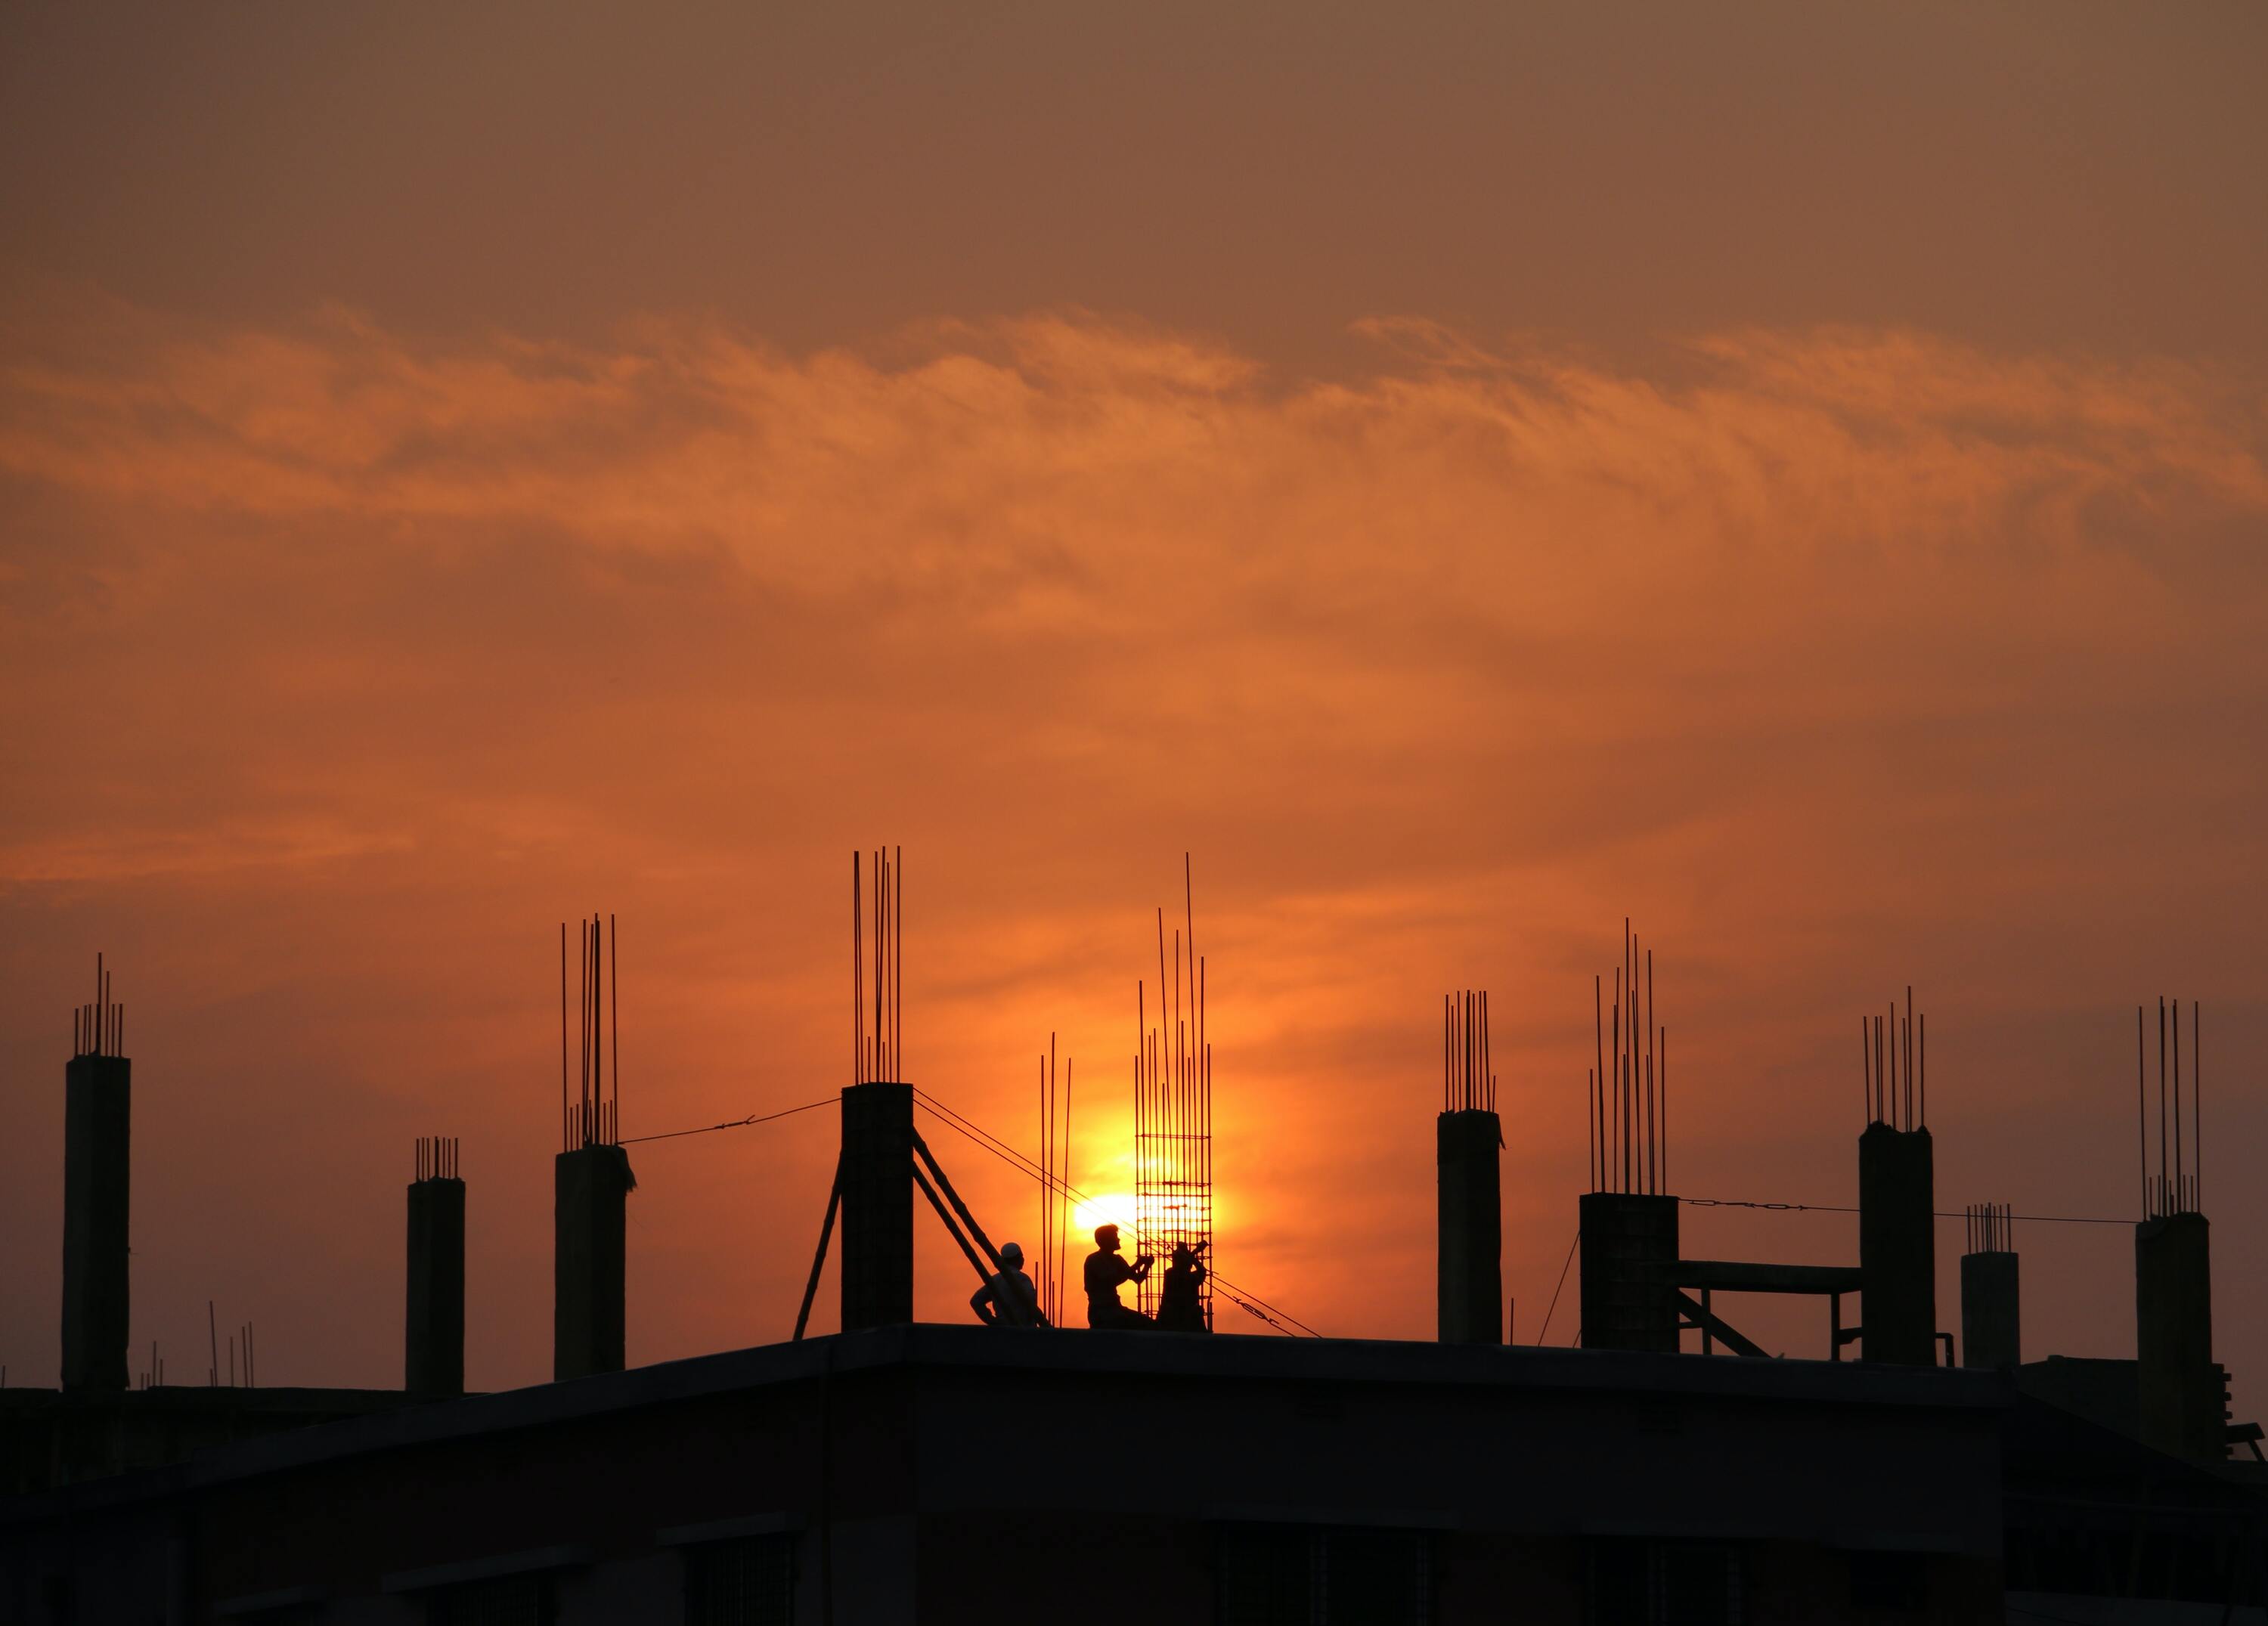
<point>1109,1208</point>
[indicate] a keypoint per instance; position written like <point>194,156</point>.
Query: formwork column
<point>433,1327</point>
<point>1897,1246</point>
<point>1991,1331</point>
<point>1470,1238</point>
<point>878,1205</point>
<point>2179,1384</point>
<point>590,1187</point>
<point>1628,1243</point>
<point>98,1098</point>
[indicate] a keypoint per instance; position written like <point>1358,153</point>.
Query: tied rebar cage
<point>1173,1113</point>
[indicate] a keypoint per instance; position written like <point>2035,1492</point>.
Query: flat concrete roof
<point>1195,1357</point>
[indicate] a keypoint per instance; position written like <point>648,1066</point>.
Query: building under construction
<point>1664,1469</point>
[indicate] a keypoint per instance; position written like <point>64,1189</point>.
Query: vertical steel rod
<point>615,1015</point>
<point>2161,1102</point>
<point>2179,1179</point>
<point>2141,1112</point>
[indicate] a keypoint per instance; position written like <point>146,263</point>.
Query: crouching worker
<point>1180,1310</point>
<point>1106,1273</point>
<point>1008,1299</point>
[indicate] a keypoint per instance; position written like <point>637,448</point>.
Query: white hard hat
<point>1012,1254</point>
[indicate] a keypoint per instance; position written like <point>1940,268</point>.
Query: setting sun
<point>1109,1208</point>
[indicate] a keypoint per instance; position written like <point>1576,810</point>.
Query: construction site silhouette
<point>1659,1467</point>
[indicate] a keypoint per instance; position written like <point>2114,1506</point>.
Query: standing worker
<point>1180,1310</point>
<point>1008,1299</point>
<point>1106,1273</point>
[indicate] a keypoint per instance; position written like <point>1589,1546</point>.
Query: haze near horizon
<point>1793,478</point>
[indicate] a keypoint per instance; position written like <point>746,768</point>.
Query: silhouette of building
<point>913,1473</point>
<point>897,1472</point>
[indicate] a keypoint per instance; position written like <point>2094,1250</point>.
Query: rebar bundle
<point>1467,1079</point>
<point>1173,1111</point>
<point>98,1029</point>
<point>877,1051</point>
<point>592,1115</point>
<point>1896,1094</point>
<point>1629,1086</point>
<point>2177,1187</point>
<point>1992,1228</point>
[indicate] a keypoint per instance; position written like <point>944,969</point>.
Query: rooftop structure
<point>897,1472</point>
<point>907,1473</point>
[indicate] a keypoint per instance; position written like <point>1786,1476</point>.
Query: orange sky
<point>1800,480</point>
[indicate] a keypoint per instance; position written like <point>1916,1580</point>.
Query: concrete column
<point>1897,1246</point>
<point>433,1356</point>
<point>2179,1386</point>
<point>1470,1237</point>
<point>98,1098</point>
<point>1628,1237</point>
<point>1990,1330</point>
<point>878,1205</point>
<point>592,1185</point>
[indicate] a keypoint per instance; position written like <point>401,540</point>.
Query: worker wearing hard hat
<point>1008,1298</point>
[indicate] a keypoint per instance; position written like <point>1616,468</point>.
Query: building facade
<point>949,1473</point>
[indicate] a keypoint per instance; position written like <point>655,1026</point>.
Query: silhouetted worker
<point>1106,1273</point>
<point>1180,1310</point>
<point>1008,1299</point>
